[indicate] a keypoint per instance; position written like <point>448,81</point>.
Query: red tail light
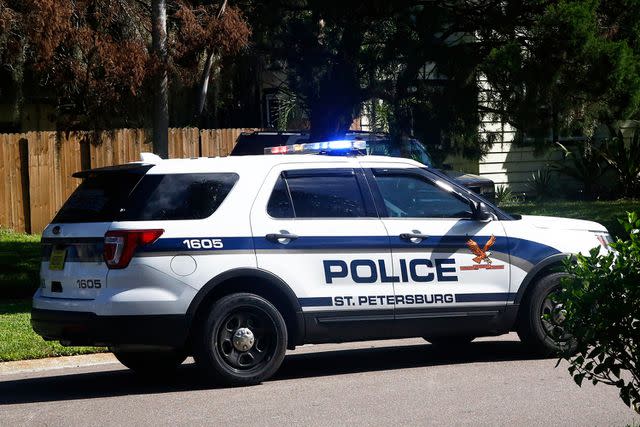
<point>119,246</point>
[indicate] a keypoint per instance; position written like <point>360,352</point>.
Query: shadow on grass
<point>120,382</point>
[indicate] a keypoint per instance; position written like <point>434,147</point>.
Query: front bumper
<point>84,328</point>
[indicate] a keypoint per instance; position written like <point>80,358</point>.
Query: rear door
<point>317,229</point>
<point>72,245</point>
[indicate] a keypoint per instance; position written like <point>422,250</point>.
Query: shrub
<point>541,183</point>
<point>601,297</point>
<point>504,196</point>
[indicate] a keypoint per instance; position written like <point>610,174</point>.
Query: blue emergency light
<point>334,148</point>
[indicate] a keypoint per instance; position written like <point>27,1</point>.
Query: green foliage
<point>541,183</point>
<point>504,196</point>
<point>564,69</point>
<point>623,155</point>
<point>585,164</point>
<point>601,298</point>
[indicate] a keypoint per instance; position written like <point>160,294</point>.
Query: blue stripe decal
<point>316,302</point>
<point>528,250</point>
<point>497,296</point>
<point>178,244</point>
<point>327,243</point>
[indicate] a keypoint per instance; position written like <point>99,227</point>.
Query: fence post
<point>23,147</point>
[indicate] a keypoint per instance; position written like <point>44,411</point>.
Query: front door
<point>445,263</point>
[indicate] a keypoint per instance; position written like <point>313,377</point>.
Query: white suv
<point>233,260</point>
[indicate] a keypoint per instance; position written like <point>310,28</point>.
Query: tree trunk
<point>203,87</point>
<point>160,84</point>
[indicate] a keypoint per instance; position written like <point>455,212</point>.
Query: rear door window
<point>334,193</point>
<point>178,196</point>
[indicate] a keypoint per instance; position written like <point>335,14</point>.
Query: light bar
<point>339,147</point>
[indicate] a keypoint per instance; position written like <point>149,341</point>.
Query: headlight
<point>604,239</point>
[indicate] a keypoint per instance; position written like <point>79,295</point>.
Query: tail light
<point>120,245</point>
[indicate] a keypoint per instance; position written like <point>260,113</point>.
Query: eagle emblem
<point>481,254</point>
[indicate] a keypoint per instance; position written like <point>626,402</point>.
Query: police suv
<point>233,260</point>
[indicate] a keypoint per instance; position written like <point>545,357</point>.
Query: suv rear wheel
<point>150,363</point>
<point>243,340</point>
<point>541,318</point>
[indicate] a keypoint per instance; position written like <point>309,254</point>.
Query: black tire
<point>452,342</point>
<point>220,351</point>
<point>150,363</point>
<point>540,320</point>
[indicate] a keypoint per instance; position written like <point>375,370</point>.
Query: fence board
<point>12,210</point>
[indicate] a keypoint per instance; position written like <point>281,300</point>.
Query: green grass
<point>19,342</point>
<point>606,213</point>
<point>19,264</point>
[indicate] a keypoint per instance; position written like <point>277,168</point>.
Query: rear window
<point>106,197</point>
<point>178,196</point>
<point>99,198</point>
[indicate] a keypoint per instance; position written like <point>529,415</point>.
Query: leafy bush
<point>624,158</point>
<point>585,164</point>
<point>541,183</point>
<point>504,196</point>
<point>601,297</point>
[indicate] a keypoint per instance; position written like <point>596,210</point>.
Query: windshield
<point>411,149</point>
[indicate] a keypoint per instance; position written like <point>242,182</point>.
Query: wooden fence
<point>37,166</point>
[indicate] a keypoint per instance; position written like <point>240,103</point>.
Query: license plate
<point>56,262</point>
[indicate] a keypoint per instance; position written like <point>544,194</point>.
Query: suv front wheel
<point>542,316</point>
<point>243,340</point>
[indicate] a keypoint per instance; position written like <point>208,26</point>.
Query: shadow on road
<point>321,363</point>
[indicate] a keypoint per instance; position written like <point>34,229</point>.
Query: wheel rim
<point>246,339</point>
<point>552,316</point>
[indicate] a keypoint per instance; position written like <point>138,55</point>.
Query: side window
<point>415,197</point>
<point>178,196</point>
<point>279,205</point>
<point>317,194</point>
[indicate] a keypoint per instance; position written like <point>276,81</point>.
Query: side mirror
<point>482,213</point>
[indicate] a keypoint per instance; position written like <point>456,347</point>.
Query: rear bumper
<point>83,328</point>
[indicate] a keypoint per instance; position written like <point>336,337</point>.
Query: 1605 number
<point>89,283</point>
<point>203,243</point>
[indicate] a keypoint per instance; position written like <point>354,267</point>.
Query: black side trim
<point>84,328</point>
<point>361,325</point>
<point>274,280</point>
<point>554,259</point>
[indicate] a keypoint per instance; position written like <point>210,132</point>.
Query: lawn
<point>19,264</point>
<point>19,342</point>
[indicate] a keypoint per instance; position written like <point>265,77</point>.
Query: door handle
<point>282,237</point>
<point>414,237</point>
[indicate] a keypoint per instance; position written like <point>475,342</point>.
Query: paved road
<point>374,383</point>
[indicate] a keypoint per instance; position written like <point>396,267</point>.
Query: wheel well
<point>553,267</point>
<point>255,285</point>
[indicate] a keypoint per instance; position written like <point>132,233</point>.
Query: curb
<point>51,363</point>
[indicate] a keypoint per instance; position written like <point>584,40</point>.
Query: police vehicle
<point>233,260</point>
